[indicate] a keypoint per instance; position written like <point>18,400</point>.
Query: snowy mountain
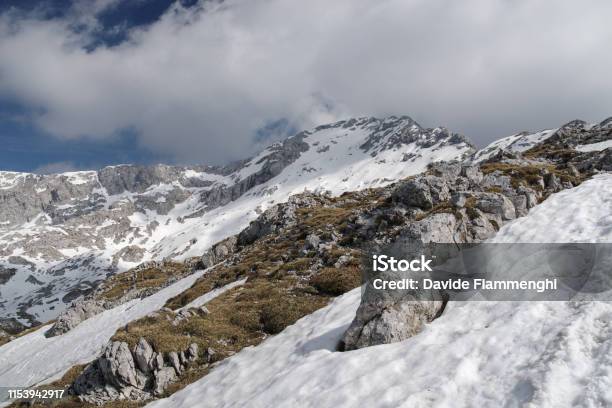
<point>515,143</point>
<point>273,319</point>
<point>61,235</point>
<point>595,139</point>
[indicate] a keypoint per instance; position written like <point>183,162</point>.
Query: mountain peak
<point>71,230</point>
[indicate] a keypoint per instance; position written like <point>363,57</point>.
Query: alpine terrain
<point>238,285</point>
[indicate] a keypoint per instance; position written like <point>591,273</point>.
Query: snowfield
<point>595,147</point>
<point>515,143</point>
<point>484,354</point>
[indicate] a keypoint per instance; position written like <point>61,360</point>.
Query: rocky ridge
<point>62,235</point>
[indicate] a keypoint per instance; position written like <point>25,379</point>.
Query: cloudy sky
<point>85,83</point>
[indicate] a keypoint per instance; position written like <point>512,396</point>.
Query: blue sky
<point>27,147</point>
<point>87,83</point>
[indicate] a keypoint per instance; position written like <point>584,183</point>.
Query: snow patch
<point>595,147</point>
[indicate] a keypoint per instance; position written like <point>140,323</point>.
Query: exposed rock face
<point>452,203</point>
<point>414,194</point>
<point>80,310</point>
<point>164,377</point>
<point>220,252</point>
<point>117,365</point>
<point>388,137</point>
<point>378,324</point>
<point>496,204</point>
<point>135,375</point>
<point>138,179</point>
<point>70,231</point>
<point>579,132</point>
<point>173,359</point>
<point>6,274</point>
<point>271,220</point>
<point>144,356</point>
<point>463,203</point>
<point>11,325</point>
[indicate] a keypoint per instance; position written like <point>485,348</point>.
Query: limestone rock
<point>414,193</point>
<point>144,356</point>
<point>312,241</point>
<point>192,352</point>
<point>219,252</point>
<point>377,324</point>
<point>438,188</point>
<point>173,359</point>
<point>472,173</point>
<point>495,203</point>
<point>210,354</point>
<point>552,182</point>
<point>78,311</point>
<point>117,365</point>
<point>163,377</point>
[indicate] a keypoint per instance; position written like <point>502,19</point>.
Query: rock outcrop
<point>67,233</point>
<point>451,203</point>
<point>138,374</point>
<point>389,323</point>
<point>78,311</point>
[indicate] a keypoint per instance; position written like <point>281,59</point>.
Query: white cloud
<point>197,84</point>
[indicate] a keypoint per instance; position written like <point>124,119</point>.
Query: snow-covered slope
<point>515,143</point>
<point>595,147</point>
<point>61,234</point>
<point>487,354</point>
<point>579,134</point>
<point>48,358</point>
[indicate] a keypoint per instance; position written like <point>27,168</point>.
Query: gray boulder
<point>78,311</point>
<point>342,261</point>
<point>159,361</point>
<point>219,252</point>
<point>414,193</point>
<point>389,324</point>
<point>438,188</point>
<point>530,196</point>
<point>175,362</point>
<point>163,377</point>
<point>497,180</point>
<point>552,182</point>
<point>192,352</point>
<point>520,204</point>
<point>312,241</point>
<point>441,227</point>
<point>144,356</point>
<point>459,199</point>
<point>117,365</point>
<point>497,204</point>
<point>472,173</point>
<point>448,171</point>
<point>90,381</point>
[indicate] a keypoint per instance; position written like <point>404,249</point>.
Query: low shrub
<point>336,281</point>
